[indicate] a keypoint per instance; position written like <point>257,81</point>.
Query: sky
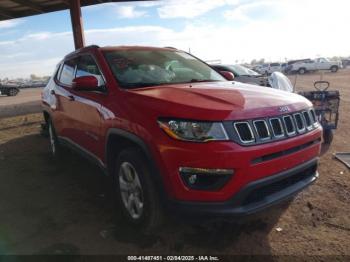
<point>233,31</point>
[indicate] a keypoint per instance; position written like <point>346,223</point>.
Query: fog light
<point>205,179</point>
<point>192,179</point>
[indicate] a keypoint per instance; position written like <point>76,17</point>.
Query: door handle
<point>71,98</point>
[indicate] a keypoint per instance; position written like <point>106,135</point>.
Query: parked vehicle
<point>314,65</point>
<point>345,63</point>
<point>243,74</point>
<point>257,68</point>
<point>37,83</point>
<point>8,90</point>
<point>284,67</point>
<point>267,69</point>
<point>289,66</point>
<point>172,132</point>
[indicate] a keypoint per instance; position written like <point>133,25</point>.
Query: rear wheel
<point>12,92</point>
<point>135,191</point>
<point>302,71</point>
<point>54,145</point>
<point>334,69</point>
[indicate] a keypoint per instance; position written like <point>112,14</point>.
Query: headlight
<point>194,131</point>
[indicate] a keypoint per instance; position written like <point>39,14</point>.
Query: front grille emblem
<point>283,109</point>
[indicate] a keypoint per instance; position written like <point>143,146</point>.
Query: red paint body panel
<point>87,119</point>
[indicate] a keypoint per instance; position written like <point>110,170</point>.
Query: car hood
<point>218,100</point>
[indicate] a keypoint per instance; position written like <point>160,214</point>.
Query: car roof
<point>116,48</point>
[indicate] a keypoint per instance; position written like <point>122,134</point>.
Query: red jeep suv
<point>171,131</point>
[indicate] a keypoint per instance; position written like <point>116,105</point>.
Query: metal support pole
<point>77,24</point>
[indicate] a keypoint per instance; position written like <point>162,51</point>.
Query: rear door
<point>62,120</point>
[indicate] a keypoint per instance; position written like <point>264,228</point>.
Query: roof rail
<point>170,47</point>
<point>82,49</point>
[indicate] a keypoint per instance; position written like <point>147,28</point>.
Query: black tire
<point>327,136</point>
<point>301,71</point>
<point>334,69</point>
<point>12,92</point>
<point>152,215</point>
<point>55,147</point>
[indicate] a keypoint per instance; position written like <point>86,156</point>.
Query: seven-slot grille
<point>263,130</point>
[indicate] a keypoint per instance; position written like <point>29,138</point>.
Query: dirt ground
<point>48,207</point>
<point>27,101</point>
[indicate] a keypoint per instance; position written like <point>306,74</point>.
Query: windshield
<point>242,71</point>
<point>141,68</point>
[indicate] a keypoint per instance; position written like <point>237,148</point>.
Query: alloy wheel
<point>131,190</point>
<point>52,140</point>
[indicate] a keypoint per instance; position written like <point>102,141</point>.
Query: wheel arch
<point>117,140</point>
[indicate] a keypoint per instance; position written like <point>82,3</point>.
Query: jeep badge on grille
<point>284,109</point>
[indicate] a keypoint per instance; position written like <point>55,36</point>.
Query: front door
<point>87,107</point>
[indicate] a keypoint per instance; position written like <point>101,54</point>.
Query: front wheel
<point>301,71</point>
<point>12,92</point>
<point>136,193</point>
<point>327,136</point>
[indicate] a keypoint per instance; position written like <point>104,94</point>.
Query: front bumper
<point>257,195</point>
<point>250,163</point>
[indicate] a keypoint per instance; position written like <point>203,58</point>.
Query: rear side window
<point>67,72</point>
<point>88,67</point>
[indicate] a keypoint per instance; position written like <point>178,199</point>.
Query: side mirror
<point>85,83</point>
<point>228,75</point>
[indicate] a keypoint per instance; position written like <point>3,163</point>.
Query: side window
<point>88,67</point>
<point>67,72</point>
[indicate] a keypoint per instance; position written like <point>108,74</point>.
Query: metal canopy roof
<point>10,9</point>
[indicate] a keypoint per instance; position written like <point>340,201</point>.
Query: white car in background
<point>268,69</point>
<point>317,64</point>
